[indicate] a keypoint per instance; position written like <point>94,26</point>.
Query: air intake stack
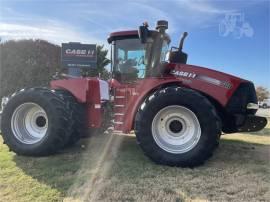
<point>161,26</point>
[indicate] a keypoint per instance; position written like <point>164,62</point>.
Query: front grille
<point>244,94</point>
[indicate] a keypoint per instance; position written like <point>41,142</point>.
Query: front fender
<point>214,84</point>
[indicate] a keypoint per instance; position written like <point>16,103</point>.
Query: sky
<point>230,36</point>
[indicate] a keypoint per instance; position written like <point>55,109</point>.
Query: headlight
<point>252,106</point>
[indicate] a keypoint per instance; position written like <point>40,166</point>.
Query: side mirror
<point>143,32</point>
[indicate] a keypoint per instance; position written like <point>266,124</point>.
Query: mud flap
<point>253,123</point>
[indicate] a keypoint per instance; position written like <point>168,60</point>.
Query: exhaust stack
<point>181,44</point>
<point>176,54</point>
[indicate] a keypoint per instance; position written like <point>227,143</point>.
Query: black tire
<point>59,118</point>
<point>78,123</point>
<point>206,115</point>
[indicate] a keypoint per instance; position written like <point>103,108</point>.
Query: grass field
<point>113,168</point>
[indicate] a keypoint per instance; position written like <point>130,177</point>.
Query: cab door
<point>128,69</point>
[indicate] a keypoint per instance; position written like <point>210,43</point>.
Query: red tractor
<point>178,111</point>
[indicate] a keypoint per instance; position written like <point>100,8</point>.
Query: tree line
<point>28,63</point>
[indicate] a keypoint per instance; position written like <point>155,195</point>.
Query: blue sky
<point>215,40</point>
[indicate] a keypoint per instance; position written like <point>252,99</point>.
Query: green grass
<point>36,179</point>
<point>113,168</point>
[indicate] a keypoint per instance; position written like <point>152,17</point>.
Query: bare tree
<point>262,93</point>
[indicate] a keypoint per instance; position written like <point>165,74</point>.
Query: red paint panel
<point>85,90</point>
<point>113,83</point>
<point>124,33</point>
<point>144,87</point>
<point>78,87</point>
<point>219,93</point>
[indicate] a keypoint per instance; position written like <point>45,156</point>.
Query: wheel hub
<point>176,126</point>
<point>176,129</point>
<point>29,123</point>
<point>41,121</point>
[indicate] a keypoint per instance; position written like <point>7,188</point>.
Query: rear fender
<point>86,91</point>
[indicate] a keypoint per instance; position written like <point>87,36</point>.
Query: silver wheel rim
<point>176,129</point>
<point>29,123</point>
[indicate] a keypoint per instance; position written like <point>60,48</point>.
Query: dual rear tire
<point>39,121</point>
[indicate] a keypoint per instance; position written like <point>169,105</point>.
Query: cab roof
<point>123,35</point>
<point>129,34</point>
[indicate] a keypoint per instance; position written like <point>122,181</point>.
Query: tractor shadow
<point>131,170</point>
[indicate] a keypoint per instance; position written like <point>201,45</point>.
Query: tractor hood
<point>213,77</point>
<point>218,85</point>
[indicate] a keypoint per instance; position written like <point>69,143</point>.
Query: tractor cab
<point>138,54</point>
<point>139,57</point>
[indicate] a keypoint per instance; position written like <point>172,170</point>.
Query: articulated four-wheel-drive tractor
<point>178,111</point>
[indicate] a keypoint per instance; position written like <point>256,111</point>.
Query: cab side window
<point>138,57</point>
<point>129,59</point>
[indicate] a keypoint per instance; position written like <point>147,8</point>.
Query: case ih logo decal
<point>183,74</point>
<point>224,84</point>
<point>80,53</point>
<point>77,55</point>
